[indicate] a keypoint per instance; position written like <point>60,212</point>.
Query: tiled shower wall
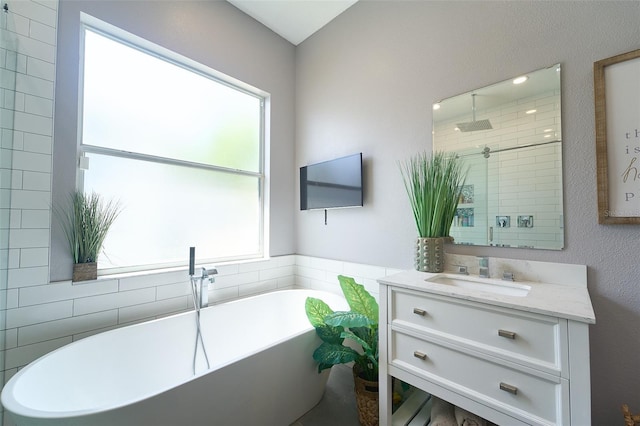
<point>27,62</point>
<point>27,74</point>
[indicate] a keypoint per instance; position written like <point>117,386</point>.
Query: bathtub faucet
<point>205,279</point>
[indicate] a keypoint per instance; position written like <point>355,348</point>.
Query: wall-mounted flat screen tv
<point>332,184</point>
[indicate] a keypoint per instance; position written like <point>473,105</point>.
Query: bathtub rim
<point>14,407</point>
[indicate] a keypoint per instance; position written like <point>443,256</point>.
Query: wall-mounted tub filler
<point>200,285</point>
<point>200,294</point>
<point>205,278</point>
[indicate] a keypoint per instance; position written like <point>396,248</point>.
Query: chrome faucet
<point>205,279</point>
<point>483,263</point>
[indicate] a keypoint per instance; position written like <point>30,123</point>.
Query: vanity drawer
<point>530,338</point>
<point>537,398</point>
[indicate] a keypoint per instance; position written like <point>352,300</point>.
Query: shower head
<point>472,126</point>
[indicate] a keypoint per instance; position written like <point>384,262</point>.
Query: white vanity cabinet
<point>486,354</point>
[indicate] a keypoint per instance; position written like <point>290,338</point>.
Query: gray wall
<point>213,33</point>
<point>366,83</point>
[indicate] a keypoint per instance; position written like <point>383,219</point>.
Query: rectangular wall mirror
<point>509,135</point>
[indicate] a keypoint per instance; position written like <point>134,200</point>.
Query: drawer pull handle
<point>507,334</point>
<point>420,355</point>
<point>419,311</point>
<point>508,388</point>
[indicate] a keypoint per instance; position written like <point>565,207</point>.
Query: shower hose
<point>194,292</point>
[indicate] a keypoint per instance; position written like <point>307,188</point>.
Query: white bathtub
<point>262,371</point>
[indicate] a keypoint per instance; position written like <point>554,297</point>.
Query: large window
<point>181,149</point>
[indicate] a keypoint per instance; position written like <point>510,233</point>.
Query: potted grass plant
<point>434,184</point>
<point>340,331</point>
<point>86,219</point>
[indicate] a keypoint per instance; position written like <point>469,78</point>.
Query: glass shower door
<point>470,223</point>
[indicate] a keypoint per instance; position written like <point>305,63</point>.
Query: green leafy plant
<point>359,325</point>
<point>434,185</point>
<point>86,221</point>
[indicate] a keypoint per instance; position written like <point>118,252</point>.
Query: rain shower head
<point>472,126</point>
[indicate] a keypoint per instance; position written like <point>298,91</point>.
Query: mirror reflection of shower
<point>474,125</point>
<point>511,139</point>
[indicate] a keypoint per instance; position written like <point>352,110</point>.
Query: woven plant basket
<point>366,399</point>
<point>85,271</point>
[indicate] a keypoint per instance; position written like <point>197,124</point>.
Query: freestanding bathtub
<point>262,371</point>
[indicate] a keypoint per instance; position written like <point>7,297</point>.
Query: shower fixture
<point>486,151</point>
<point>200,296</point>
<point>471,126</point>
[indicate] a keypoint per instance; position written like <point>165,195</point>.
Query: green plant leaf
<point>316,311</point>
<point>368,334</point>
<point>332,354</point>
<point>85,221</point>
<point>359,299</point>
<point>368,339</point>
<point>368,371</point>
<point>330,334</point>
<point>360,325</point>
<point>347,319</point>
<point>322,366</point>
<point>365,346</point>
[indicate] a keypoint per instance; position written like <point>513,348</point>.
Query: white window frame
<point>121,36</point>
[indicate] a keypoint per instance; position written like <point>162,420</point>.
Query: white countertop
<point>559,300</point>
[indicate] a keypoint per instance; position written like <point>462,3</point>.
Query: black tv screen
<point>332,184</point>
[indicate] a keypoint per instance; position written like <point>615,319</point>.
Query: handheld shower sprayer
<point>192,260</point>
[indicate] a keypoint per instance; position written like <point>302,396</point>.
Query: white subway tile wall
<point>43,317</point>
<point>33,322</point>
<point>322,274</point>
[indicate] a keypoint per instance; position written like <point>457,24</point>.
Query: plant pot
<point>85,271</point>
<point>367,395</point>
<point>429,254</point>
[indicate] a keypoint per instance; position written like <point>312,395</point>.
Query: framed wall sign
<point>617,107</point>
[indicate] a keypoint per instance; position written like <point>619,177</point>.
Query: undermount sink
<point>489,285</point>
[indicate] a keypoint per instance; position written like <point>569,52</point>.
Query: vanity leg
<point>385,388</point>
<point>579,374</point>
